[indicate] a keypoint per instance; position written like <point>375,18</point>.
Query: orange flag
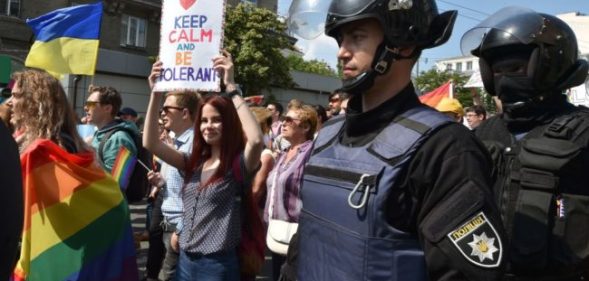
<point>434,97</point>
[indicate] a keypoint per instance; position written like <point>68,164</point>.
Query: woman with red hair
<point>226,134</point>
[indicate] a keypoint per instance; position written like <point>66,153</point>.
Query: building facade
<point>129,42</point>
<point>463,64</point>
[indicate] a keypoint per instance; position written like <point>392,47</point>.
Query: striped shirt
<point>287,201</point>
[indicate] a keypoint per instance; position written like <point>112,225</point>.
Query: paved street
<point>138,221</point>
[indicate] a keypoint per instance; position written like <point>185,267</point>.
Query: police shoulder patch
<point>478,241</point>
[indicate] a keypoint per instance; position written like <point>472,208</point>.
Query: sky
<point>470,13</point>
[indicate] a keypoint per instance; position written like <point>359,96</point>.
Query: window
<point>133,31</point>
<point>448,66</point>
<point>459,66</point>
<point>469,65</point>
<point>10,8</point>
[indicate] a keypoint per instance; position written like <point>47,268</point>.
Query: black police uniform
<point>540,169</point>
<point>11,202</point>
<point>448,176</point>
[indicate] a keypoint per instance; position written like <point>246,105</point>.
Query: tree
<point>255,37</point>
<point>313,66</point>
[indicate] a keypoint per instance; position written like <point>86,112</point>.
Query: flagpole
<point>143,164</point>
<point>451,89</point>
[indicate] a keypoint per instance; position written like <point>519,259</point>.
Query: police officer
<point>394,190</point>
<point>539,143</point>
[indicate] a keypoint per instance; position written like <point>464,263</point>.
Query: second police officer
<point>394,190</point>
<point>539,143</point>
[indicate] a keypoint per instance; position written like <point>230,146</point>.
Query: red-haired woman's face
<point>211,125</point>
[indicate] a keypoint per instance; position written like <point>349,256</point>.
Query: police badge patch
<point>478,241</point>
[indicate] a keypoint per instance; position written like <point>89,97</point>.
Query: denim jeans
<point>169,266</point>
<point>213,267</point>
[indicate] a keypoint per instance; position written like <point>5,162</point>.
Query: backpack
<point>250,251</point>
<point>138,183</point>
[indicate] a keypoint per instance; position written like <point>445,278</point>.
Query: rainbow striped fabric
<point>66,40</point>
<point>77,224</point>
<point>123,167</point>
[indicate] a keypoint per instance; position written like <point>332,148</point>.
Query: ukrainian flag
<point>66,40</point>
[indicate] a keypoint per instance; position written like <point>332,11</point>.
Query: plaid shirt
<point>172,199</point>
<point>287,201</point>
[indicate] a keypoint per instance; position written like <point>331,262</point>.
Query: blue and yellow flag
<point>66,40</point>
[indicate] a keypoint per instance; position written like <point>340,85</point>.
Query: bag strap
<point>108,135</point>
<point>101,145</point>
<point>273,187</point>
<point>237,170</point>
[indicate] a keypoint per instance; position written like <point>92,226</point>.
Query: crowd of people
<point>376,186</point>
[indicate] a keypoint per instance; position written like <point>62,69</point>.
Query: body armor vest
<point>344,234</point>
<point>543,195</point>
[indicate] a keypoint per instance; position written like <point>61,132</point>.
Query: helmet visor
<point>513,23</point>
<point>306,18</point>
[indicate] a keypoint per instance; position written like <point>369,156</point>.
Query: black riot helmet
<point>546,44</point>
<point>404,22</point>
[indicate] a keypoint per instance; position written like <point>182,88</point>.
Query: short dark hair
<point>321,113</point>
<point>478,110</point>
<point>342,95</point>
<point>108,95</point>
<point>278,107</point>
<point>336,92</point>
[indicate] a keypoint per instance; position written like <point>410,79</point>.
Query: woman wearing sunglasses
<point>225,131</point>
<point>283,203</point>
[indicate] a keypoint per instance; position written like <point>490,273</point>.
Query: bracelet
<point>237,107</point>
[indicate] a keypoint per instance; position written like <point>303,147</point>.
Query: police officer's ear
<point>407,51</point>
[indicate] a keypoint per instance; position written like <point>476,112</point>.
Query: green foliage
<point>313,66</point>
<point>431,79</point>
<point>254,36</point>
<point>340,69</point>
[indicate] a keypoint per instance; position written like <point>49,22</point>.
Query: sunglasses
<point>167,108</point>
<point>91,104</point>
<point>288,119</point>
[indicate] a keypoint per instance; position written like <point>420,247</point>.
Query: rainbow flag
<point>434,97</point>
<point>123,167</point>
<point>77,224</point>
<point>66,40</point>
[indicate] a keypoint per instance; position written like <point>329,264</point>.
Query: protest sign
<point>191,36</point>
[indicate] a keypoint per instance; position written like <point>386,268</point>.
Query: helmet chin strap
<point>383,59</point>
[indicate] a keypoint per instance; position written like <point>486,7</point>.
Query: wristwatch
<point>233,93</point>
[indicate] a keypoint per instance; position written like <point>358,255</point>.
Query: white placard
<point>191,36</point>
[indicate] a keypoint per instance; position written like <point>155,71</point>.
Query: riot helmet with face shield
<point>525,56</point>
<point>405,23</point>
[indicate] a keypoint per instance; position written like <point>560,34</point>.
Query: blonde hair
<point>308,115</point>
<point>264,117</point>
<point>45,112</point>
<point>187,99</point>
